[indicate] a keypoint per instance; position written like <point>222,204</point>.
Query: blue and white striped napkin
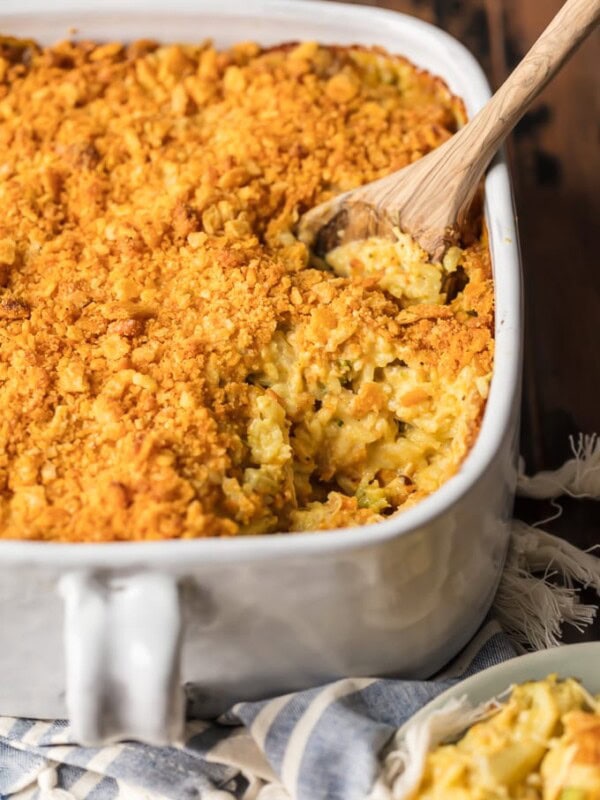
<point>321,744</point>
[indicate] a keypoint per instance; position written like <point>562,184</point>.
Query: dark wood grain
<point>555,160</point>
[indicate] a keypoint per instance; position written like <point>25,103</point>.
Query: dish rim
<point>501,222</point>
<point>541,662</point>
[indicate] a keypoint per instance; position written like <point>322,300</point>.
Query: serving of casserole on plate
<point>172,362</point>
<point>542,743</point>
<point>524,729</point>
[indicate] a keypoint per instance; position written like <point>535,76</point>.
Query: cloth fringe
<point>537,593</point>
<point>578,477</point>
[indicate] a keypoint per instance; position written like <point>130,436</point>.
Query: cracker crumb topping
<point>172,364</point>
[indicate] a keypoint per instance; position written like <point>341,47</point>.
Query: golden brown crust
<point>148,268</point>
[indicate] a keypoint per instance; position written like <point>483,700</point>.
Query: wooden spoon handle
<point>475,145</point>
<point>429,197</point>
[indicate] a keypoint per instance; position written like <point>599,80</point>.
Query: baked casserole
<point>173,361</point>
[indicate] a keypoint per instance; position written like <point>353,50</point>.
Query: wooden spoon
<point>429,199</point>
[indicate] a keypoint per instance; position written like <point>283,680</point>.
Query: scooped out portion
<point>397,407</point>
<point>173,364</point>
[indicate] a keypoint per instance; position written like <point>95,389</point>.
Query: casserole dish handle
<point>122,655</point>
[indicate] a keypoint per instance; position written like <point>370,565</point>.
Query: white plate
<point>580,661</point>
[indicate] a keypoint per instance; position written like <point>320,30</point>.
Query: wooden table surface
<point>555,163</point>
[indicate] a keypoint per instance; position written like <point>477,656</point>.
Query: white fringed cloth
<point>538,592</point>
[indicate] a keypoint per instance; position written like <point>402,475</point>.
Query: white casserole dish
<point>246,617</point>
